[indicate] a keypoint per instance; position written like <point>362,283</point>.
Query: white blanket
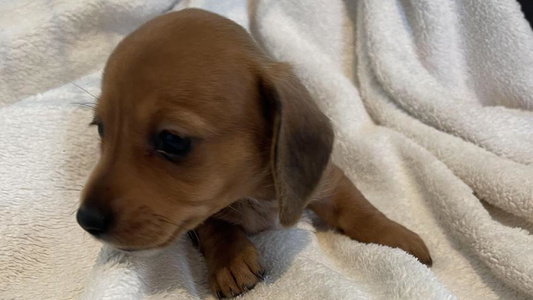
<point>431,100</point>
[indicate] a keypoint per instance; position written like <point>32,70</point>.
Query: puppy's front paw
<point>236,273</point>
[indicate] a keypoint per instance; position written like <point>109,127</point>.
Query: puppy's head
<point>192,117</point>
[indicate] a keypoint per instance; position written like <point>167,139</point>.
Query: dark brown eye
<point>172,146</point>
<point>100,126</point>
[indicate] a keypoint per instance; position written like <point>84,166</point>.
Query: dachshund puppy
<point>201,130</point>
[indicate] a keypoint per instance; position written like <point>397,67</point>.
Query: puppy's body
<point>251,214</point>
<point>201,130</point>
<point>258,214</point>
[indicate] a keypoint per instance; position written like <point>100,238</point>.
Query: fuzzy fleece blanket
<point>431,100</point>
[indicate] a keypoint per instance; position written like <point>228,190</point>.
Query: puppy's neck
<point>260,210</point>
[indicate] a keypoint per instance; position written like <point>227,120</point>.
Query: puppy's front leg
<point>232,260</point>
<point>349,211</point>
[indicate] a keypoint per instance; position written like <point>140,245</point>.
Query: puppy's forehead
<point>186,63</point>
<point>184,52</point>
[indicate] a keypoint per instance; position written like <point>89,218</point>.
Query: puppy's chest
<point>253,215</point>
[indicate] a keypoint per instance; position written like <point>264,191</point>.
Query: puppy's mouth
<point>178,232</point>
<point>160,246</point>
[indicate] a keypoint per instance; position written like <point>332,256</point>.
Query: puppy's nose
<point>94,221</point>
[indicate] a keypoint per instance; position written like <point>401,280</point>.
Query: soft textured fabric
<point>432,105</point>
<point>45,44</point>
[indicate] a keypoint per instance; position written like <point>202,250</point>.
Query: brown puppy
<point>201,130</point>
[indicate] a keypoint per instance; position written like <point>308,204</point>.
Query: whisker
<point>172,223</point>
<point>194,238</point>
<point>86,91</point>
<point>245,202</point>
<point>87,104</point>
<point>118,239</point>
<point>190,232</point>
<point>230,206</point>
<point>75,207</point>
<point>91,106</point>
<point>84,104</point>
<point>167,220</point>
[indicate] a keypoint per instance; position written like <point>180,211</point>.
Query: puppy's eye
<point>172,146</point>
<point>100,127</point>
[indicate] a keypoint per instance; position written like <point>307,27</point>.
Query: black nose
<point>93,221</point>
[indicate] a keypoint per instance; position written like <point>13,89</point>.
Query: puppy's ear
<point>302,140</point>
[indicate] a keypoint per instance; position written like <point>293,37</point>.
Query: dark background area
<point>527,8</point>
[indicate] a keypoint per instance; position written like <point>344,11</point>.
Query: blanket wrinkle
<point>432,105</point>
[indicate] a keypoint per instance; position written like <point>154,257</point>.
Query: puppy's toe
<point>419,250</point>
<point>237,276</point>
<point>397,236</point>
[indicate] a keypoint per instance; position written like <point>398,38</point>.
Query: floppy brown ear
<point>302,140</point>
